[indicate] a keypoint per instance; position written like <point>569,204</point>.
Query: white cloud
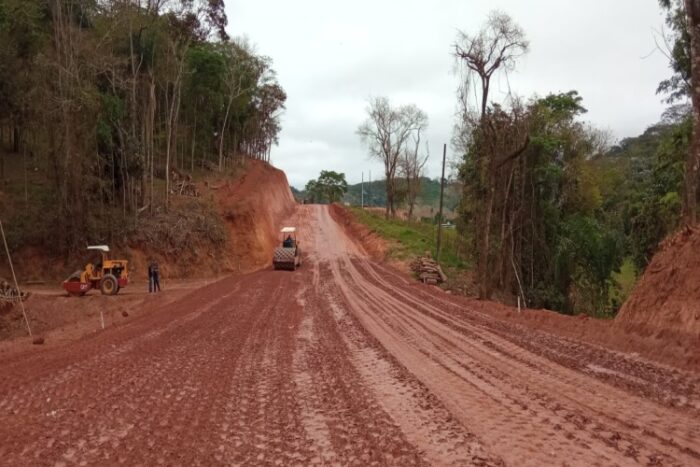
<point>332,56</point>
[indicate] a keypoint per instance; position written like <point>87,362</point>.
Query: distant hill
<point>375,194</point>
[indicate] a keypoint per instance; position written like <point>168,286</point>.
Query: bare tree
<point>386,133</point>
<point>412,165</point>
<point>493,49</point>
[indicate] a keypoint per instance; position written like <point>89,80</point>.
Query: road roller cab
<point>287,256</point>
<point>108,275</point>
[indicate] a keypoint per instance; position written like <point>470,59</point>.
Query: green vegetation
<point>428,196</point>
<point>557,215</point>
<point>410,239</point>
<point>328,188</point>
<point>104,105</point>
<point>625,281</point>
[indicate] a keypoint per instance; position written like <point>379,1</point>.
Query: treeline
<point>428,194</point>
<point>551,209</point>
<point>112,98</point>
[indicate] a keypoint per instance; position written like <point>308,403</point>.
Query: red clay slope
<point>253,207</point>
<point>666,302</point>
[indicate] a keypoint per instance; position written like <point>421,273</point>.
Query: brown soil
<point>344,361</point>
<point>372,243</point>
<point>251,204</point>
<point>666,301</point>
<point>60,317</point>
<point>664,345</point>
<point>253,208</point>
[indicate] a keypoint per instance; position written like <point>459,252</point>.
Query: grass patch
<point>408,240</point>
<point>623,283</point>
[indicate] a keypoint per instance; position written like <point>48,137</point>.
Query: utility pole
<point>369,190</point>
<point>442,191</point>
<point>362,196</point>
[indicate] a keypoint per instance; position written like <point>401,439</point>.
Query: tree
<point>676,46</point>
<point>412,164</point>
<point>387,132</point>
<point>329,187</point>
<point>692,165</point>
<point>107,97</point>
<point>684,19</point>
<point>493,49</point>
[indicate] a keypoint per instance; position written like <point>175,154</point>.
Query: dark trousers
<point>156,282</point>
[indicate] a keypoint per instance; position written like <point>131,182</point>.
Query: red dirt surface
<point>253,208</point>
<point>344,362</point>
<point>666,301</point>
<point>372,243</point>
<point>678,349</point>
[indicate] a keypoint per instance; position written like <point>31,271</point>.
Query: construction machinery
<point>287,256</point>
<point>108,275</point>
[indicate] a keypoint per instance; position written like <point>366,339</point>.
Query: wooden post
<point>14,277</point>
<point>442,191</point>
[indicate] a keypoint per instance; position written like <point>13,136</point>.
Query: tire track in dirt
<point>578,418</point>
<point>126,389</point>
<point>341,362</point>
<point>668,386</point>
<point>501,375</point>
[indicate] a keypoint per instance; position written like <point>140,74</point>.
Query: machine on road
<point>287,256</point>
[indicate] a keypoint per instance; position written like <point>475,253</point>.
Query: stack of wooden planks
<point>428,270</point>
<point>9,293</point>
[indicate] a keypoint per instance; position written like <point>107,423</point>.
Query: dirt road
<point>342,362</point>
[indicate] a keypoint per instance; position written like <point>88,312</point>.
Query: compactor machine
<point>108,275</point>
<point>287,256</point>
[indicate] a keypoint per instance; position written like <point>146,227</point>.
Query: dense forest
<point>110,100</point>
<point>551,207</point>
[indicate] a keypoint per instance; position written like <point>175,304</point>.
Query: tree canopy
<point>329,187</point>
<point>112,99</point>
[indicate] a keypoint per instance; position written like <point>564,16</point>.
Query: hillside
<point>667,298</point>
<point>229,227</point>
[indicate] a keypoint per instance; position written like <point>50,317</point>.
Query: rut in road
<point>343,361</point>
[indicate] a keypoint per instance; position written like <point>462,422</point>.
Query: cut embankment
<point>254,207</point>
<point>666,301</point>
<point>244,218</point>
<point>372,243</point>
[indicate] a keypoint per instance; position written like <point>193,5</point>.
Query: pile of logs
<point>182,184</point>
<point>9,293</point>
<point>428,270</point>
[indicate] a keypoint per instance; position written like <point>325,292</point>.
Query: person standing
<point>156,277</point>
<point>150,276</point>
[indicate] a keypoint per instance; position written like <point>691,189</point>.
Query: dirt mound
<point>253,207</point>
<point>666,302</point>
<point>373,244</point>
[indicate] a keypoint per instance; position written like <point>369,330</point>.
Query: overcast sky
<point>332,56</point>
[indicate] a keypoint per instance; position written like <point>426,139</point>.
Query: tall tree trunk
<point>692,162</point>
<point>389,196</point>
<point>194,141</point>
<point>485,247</point>
<point>151,129</point>
<point>223,131</point>
<point>16,137</point>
